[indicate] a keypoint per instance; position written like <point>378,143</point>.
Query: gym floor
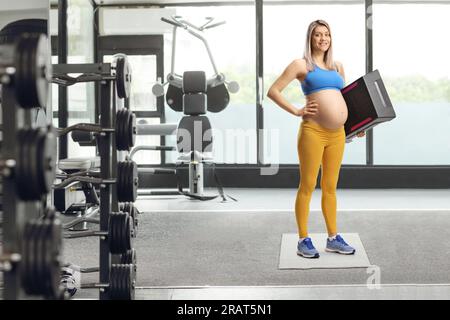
<point>210,250</point>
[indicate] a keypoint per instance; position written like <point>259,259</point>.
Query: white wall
<point>114,21</point>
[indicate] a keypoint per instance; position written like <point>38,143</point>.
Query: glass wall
<point>143,69</point>
<point>81,96</point>
<point>285,29</point>
<point>411,51</point>
<point>233,49</point>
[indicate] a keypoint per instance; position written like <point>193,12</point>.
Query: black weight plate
<point>117,131</point>
<point>54,246</point>
<point>132,212</point>
<point>135,183</point>
<point>44,265</point>
<point>10,32</point>
<point>39,238</point>
<point>118,228</point>
<point>131,130</point>
<point>174,98</point>
<point>117,244</point>
<point>29,276</point>
<point>119,181</point>
<point>33,70</point>
<point>43,72</point>
<point>122,280</point>
<point>112,233</point>
<point>126,207</point>
<point>121,192</point>
<point>27,256</point>
<point>120,132</point>
<point>128,231</point>
<point>218,98</point>
<point>129,181</point>
<point>48,152</point>
<point>33,281</point>
<point>21,175</point>
<point>22,56</point>
<point>121,226</point>
<point>134,215</point>
<point>129,279</point>
<point>125,129</point>
<point>129,257</point>
<point>32,166</point>
<point>115,282</point>
<point>123,283</point>
<point>123,77</point>
<point>36,163</point>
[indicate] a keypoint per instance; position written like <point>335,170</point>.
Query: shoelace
<point>341,240</point>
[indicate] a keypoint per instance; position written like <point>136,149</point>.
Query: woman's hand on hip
<point>311,108</point>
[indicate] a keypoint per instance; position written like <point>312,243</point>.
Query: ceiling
<point>149,2</point>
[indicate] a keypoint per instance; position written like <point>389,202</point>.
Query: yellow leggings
<point>318,145</point>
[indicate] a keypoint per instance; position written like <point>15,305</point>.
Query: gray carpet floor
<point>235,249</point>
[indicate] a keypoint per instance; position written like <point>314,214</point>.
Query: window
<point>143,77</point>
<point>411,52</point>
<point>284,41</point>
<point>233,49</point>
<point>81,96</point>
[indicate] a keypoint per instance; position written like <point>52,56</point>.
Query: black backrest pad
<point>194,82</point>
<point>194,104</point>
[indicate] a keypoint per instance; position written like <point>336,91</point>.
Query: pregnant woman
<point>321,138</point>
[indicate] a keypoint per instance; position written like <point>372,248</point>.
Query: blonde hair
<point>307,55</point>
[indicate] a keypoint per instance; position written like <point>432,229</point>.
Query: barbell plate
<point>123,77</point>
<point>129,278</point>
<point>128,231</point>
<point>120,181</point>
<point>131,130</point>
<point>33,69</point>
<point>27,253</point>
<point>113,233</point>
<point>134,181</point>
<point>36,163</point>
<point>54,246</point>
<point>119,130</point>
<point>114,281</point>
<point>122,278</point>
<point>47,158</point>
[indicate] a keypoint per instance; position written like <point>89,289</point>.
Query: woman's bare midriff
<point>332,110</point>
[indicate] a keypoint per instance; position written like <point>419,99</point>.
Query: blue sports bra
<point>321,79</point>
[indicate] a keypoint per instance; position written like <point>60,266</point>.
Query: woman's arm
<point>292,72</point>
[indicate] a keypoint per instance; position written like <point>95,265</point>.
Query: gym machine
<point>193,95</point>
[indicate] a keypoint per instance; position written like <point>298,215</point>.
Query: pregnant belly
<point>332,111</point>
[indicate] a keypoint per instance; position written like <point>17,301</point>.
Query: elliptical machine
<point>194,95</point>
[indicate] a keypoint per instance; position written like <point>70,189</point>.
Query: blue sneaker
<point>306,249</point>
<point>339,245</point>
